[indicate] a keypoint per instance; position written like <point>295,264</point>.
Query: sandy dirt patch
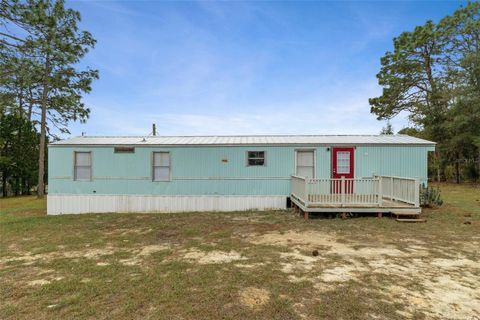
<point>313,240</point>
<point>296,261</point>
<point>250,265</point>
<point>130,261</point>
<point>212,257</point>
<point>42,282</point>
<point>295,238</point>
<point>447,287</point>
<point>38,282</point>
<point>346,272</point>
<point>140,254</point>
<point>90,253</point>
<point>451,299</point>
<point>254,297</point>
<point>128,231</point>
<point>148,250</point>
<point>443,297</point>
<point>28,258</point>
<point>246,218</point>
<point>455,263</point>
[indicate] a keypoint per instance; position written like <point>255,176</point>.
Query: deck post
<point>342,191</point>
<point>306,192</point>
<point>417,192</point>
<point>305,215</point>
<point>380,192</point>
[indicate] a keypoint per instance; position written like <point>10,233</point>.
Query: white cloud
<point>341,108</point>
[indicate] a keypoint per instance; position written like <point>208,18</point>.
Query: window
<point>343,162</point>
<point>83,166</point>
<point>256,158</point>
<point>305,164</point>
<point>161,166</point>
<point>124,150</point>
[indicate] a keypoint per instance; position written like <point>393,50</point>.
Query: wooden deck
<point>380,194</point>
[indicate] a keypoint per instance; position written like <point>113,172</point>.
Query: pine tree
<point>433,73</point>
<point>52,45</point>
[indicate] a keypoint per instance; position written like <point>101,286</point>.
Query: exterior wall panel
<point>216,171</point>
<point>401,161</point>
<point>195,171</point>
<point>73,204</point>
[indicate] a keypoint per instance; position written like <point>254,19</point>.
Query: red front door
<point>342,166</point>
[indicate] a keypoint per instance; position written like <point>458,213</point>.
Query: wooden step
<point>406,213</point>
<point>410,220</point>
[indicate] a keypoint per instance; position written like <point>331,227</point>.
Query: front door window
<point>343,162</point>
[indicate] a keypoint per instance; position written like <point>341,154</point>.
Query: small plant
<point>430,196</point>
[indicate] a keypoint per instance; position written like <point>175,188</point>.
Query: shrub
<point>430,196</point>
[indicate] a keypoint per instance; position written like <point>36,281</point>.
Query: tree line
<point>433,74</point>
<point>41,86</point>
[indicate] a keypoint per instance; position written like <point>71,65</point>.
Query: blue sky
<point>241,67</point>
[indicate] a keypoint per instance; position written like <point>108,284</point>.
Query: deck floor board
<point>388,205</point>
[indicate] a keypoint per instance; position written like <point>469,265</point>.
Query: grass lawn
<point>245,265</point>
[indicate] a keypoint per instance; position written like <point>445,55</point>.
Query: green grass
<point>83,263</point>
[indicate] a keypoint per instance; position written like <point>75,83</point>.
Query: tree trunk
<point>30,105</point>
<point>43,131</point>
<point>457,169</point>
<point>437,160</point>
<point>17,186</point>
<point>24,186</point>
<point>4,184</point>
<point>41,156</point>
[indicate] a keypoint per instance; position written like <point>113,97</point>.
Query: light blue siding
<point>400,161</point>
<point>203,171</point>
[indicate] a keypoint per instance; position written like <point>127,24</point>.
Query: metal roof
<point>243,140</point>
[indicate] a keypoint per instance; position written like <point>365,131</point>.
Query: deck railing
<point>299,187</point>
<point>400,189</point>
<point>344,192</point>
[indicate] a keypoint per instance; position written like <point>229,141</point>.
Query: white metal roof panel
<point>244,140</point>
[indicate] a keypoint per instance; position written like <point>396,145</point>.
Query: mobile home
<point>230,173</point>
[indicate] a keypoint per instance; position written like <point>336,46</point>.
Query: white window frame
<point>256,165</point>
<point>75,166</point>
<point>343,165</point>
<point>314,160</point>
<point>169,166</point>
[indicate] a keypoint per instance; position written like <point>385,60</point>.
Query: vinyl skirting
<point>81,203</point>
